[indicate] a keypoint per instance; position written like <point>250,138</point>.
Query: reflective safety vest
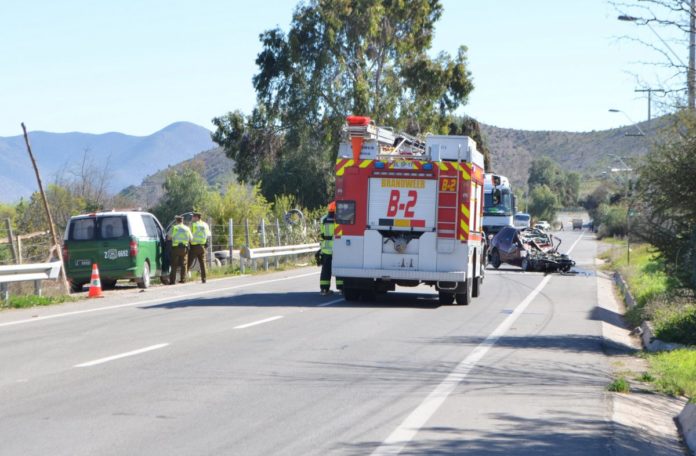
<point>181,235</point>
<point>328,226</point>
<point>201,232</point>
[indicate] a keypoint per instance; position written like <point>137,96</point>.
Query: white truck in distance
<point>498,203</point>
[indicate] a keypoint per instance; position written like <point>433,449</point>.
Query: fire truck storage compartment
<point>351,251</point>
<point>452,148</point>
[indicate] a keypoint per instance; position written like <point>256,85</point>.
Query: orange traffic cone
<point>95,290</point>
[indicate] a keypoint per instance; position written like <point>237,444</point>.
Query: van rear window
<point>111,227</point>
<point>100,228</point>
<point>82,229</point>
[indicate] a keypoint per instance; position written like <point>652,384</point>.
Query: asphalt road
<point>264,365</point>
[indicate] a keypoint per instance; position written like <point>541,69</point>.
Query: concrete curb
<point>686,420</point>
<point>647,332</point>
<point>687,425</point>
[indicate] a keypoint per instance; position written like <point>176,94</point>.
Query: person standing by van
<point>201,233</point>
<point>180,236</point>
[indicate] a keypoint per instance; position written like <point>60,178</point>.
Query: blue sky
<point>135,67</point>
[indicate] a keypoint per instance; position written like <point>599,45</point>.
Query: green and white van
<point>124,245</point>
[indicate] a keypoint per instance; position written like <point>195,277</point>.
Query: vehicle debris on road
<point>531,249</point>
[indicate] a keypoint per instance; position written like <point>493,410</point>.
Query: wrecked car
<point>530,249</point>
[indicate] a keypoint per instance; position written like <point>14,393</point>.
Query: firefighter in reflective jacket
<point>328,225</point>
<point>180,236</point>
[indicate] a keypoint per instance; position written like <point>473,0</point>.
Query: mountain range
<point>127,159</point>
<point>138,165</point>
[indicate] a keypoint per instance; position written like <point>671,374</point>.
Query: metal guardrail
<point>35,272</point>
<point>267,252</point>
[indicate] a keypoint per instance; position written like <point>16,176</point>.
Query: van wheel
<point>76,286</point>
<point>144,281</point>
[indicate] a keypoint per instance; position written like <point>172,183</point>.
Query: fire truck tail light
<point>428,166</point>
<point>379,165</point>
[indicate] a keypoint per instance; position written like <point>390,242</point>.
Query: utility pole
<point>650,91</point>
<point>51,227</point>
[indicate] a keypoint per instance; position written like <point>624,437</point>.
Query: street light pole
<point>626,185</point>
<point>691,68</point>
<point>642,133</point>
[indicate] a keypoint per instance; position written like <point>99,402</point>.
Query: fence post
<point>19,249</point>
<point>37,287</point>
<point>248,244</point>
<point>10,238</point>
<point>230,239</point>
<point>210,240</point>
<point>4,294</point>
<point>278,242</point>
<point>263,242</point>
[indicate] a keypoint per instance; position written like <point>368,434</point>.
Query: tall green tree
<point>543,203</point>
<point>544,171</point>
<point>31,215</point>
<point>340,57</point>
<point>665,210</point>
<point>468,126</point>
<point>184,191</point>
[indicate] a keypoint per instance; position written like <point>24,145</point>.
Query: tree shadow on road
<point>560,432</point>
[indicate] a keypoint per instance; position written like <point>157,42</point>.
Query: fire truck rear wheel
<point>445,298</point>
<point>463,299</point>
<point>351,294</point>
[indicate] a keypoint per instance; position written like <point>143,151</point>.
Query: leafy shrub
<point>676,324</point>
<point>620,385</point>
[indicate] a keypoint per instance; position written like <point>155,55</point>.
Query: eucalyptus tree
<point>340,57</point>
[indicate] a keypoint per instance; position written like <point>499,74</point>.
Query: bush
<point>611,220</point>
<point>676,324</point>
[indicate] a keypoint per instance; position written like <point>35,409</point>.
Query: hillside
<point>128,159</point>
<point>587,153</point>
<point>216,168</point>
<point>139,164</point>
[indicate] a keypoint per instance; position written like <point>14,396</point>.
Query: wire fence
<point>24,248</point>
<point>228,239</point>
<point>226,242</point>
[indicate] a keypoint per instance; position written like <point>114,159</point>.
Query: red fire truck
<point>408,211</point>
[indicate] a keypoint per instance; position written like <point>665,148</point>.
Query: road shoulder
<point>642,422</point>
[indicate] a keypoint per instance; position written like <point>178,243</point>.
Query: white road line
<point>151,301</point>
<point>576,241</point>
<point>408,429</point>
<point>122,355</point>
<point>330,303</point>
<point>260,322</point>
